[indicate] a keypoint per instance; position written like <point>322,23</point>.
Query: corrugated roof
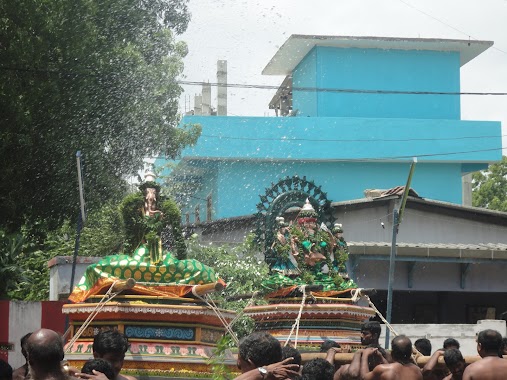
<point>484,246</point>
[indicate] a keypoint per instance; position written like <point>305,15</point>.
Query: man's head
<point>423,345</point>
<point>370,332</point>
<point>258,349</point>
<point>291,352</point>
<point>45,350</point>
<point>455,362</point>
<point>317,369</point>
<point>489,343</point>
<point>401,349</point>
<point>111,345</point>
<point>451,343</point>
<point>24,339</point>
<point>327,344</point>
<point>100,365</point>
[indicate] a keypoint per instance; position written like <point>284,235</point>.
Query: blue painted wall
<point>240,156</point>
<point>348,142</point>
<point>333,138</point>
<point>305,76</point>
<point>375,69</point>
<point>240,183</point>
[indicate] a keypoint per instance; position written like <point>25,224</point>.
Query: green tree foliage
<point>173,215</point>
<point>11,272</point>
<point>101,236</point>
<point>490,187</point>
<point>241,267</point>
<point>95,76</point>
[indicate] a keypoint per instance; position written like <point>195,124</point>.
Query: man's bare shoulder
<point>487,362</point>
<point>397,371</point>
<point>486,368</point>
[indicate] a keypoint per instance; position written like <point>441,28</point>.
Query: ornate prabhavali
<point>171,329</point>
<point>308,280</point>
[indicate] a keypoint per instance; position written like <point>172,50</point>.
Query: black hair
<point>23,344</point>
<point>423,345</point>
<point>401,349</point>
<point>317,369</point>
<point>490,340</point>
<point>5,371</point>
<point>327,344</point>
<point>452,357</point>
<point>371,326</point>
<point>100,365</point>
<point>451,343</point>
<point>110,341</point>
<point>46,354</point>
<point>260,348</point>
<point>291,352</point>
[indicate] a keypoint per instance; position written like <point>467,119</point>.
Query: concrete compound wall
<point>60,273</point>
<point>18,318</point>
<point>464,334</point>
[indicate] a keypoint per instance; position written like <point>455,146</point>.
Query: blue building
<point>353,112</point>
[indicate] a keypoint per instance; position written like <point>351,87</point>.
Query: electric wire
<point>349,140</point>
<point>338,90</point>
<point>446,24</point>
<point>376,159</point>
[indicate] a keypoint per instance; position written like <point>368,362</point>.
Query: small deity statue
<point>312,242</point>
<point>285,250</point>
<point>152,218</point>
<point>150,202</point>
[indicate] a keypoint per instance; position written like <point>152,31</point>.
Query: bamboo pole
<point>346,358</point>
<point>199,290</point>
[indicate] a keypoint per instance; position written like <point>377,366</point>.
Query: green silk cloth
<point>170,275</point>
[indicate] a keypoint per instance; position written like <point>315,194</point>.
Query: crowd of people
<point>262,357</point>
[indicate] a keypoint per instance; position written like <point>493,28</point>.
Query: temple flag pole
<point>397,215</point>
<point>81,217</point>
<point>80,221</point>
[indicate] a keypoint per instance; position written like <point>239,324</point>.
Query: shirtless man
<point>456,364</point>
<point>492,366</point>
<point>370,333</point>
<point>260,358</point>
<point>22,372</point>
<point>45,353</point>
<point>352,371</point>
<point>403,367</point>
<point>111,345</point>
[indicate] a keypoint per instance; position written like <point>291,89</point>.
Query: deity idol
<point>157,271</point>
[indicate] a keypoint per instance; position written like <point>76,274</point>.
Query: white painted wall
<point>464,334</point>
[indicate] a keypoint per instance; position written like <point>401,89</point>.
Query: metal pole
<point>76,250</point>
<point>392,264</point>
<point>80,221</point>
<point>81,186</point>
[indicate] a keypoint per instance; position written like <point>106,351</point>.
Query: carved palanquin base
<point>171,341</point>
<point>340,322</point>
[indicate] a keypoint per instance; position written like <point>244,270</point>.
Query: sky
<point>247,33</point>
